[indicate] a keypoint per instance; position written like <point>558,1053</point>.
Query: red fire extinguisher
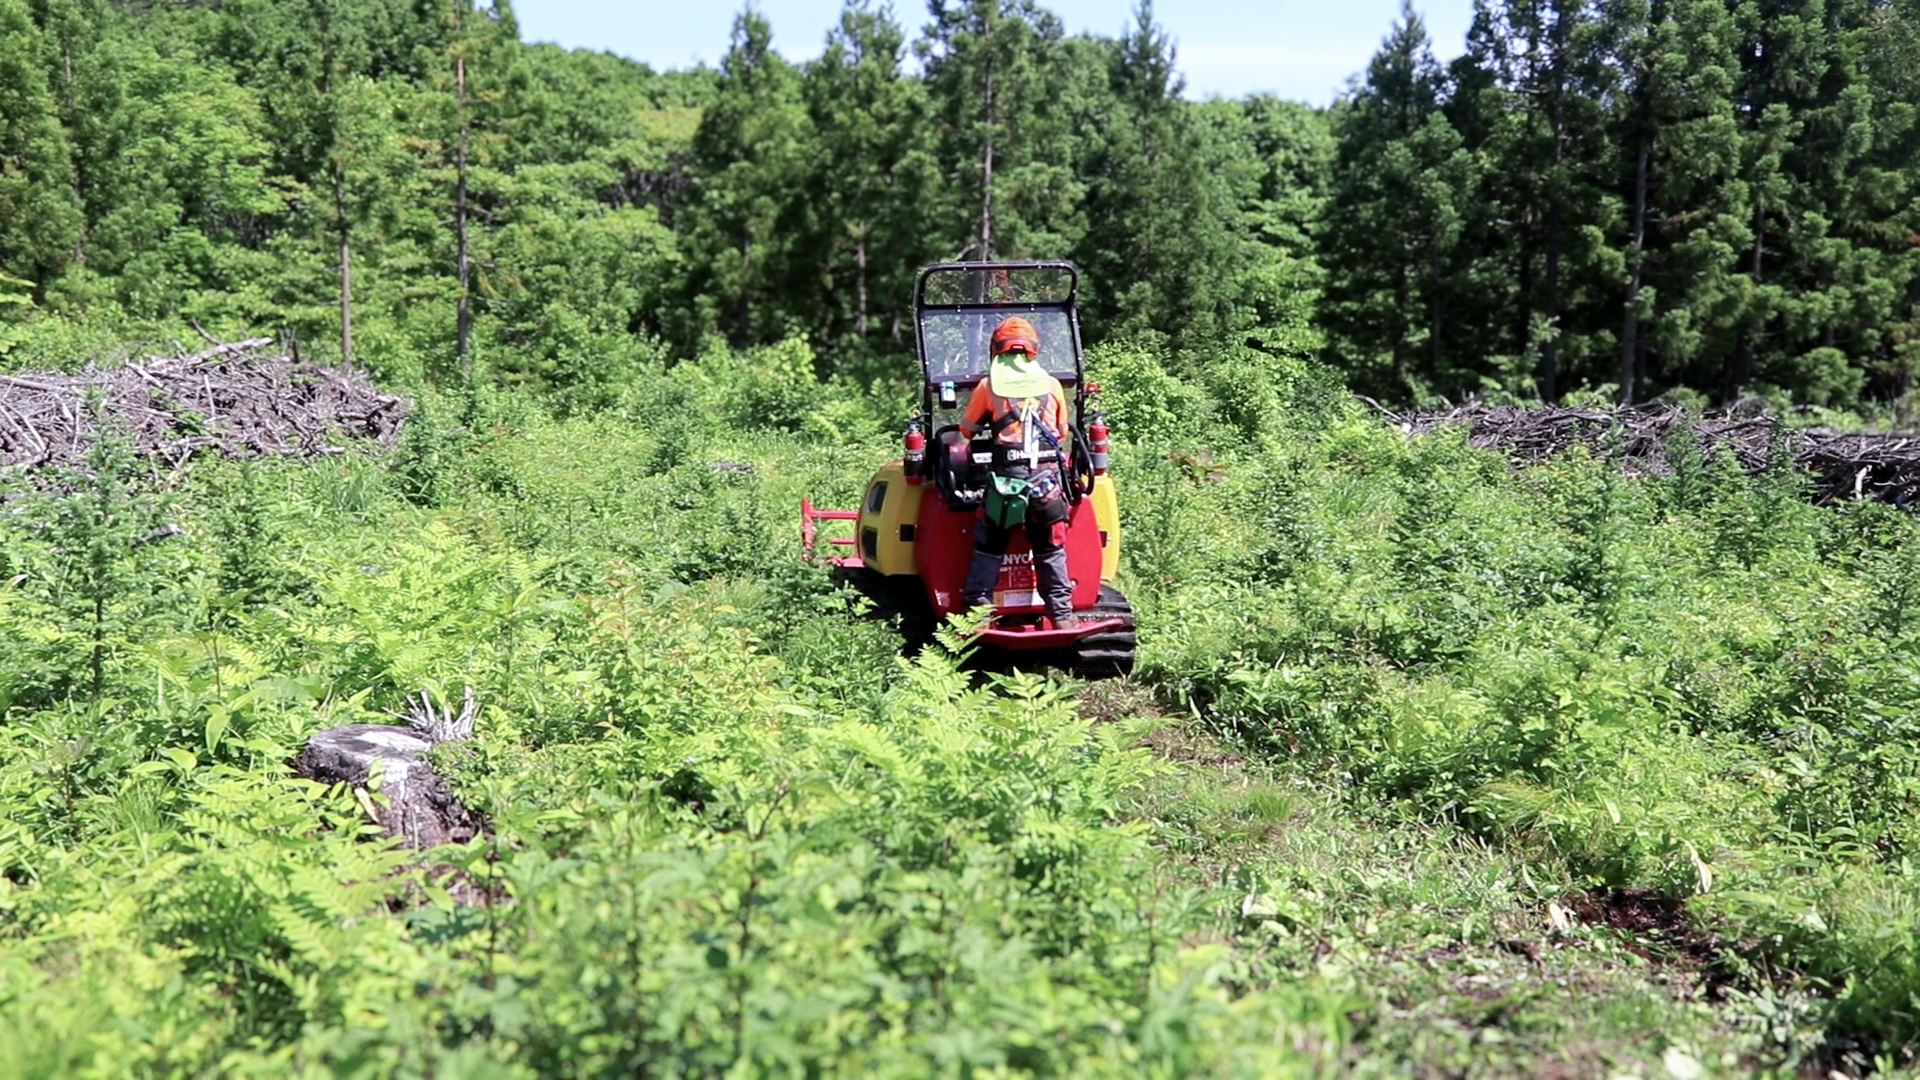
<point>1097,443</point>
<point>916,456</point>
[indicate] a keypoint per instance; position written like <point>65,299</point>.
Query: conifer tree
<point>1778,58</point>
<point>747,166</point>
<point>188,198</point>
<point>1401,180</point>
<point>477,85</point>
<point>1157,251</point>
<point>1000,89</point>
<point>1887,190</point>
<point>98,525</point>
<point>1838,244</point>
<point>871,173</point>
<point>40,214</point>
<point>1530,96</point>
<point>1678,153</point>
<point>79,63</point>
<point>1281,203</point>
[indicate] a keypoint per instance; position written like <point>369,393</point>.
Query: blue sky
<point>1301,49</point>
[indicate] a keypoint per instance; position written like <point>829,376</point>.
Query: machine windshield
<point>955,344</point>
<point>955,286</point>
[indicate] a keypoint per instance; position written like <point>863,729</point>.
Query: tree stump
<point>390,761</point>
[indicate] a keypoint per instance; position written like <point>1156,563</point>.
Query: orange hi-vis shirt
<point>987,410</point>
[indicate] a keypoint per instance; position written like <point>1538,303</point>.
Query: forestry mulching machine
<point>913,534</point>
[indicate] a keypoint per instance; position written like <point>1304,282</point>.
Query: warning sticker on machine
<point>1018,585</point>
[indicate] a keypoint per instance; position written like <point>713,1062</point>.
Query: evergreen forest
<point>1630,198</point>
<point>1430,766</point>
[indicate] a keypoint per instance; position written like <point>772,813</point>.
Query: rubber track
<point>1106,655</point>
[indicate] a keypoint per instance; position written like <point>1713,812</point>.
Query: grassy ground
<point>1462,958</point>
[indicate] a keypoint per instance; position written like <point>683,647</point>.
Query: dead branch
<point>236,399</point>
<point>1838,465</point>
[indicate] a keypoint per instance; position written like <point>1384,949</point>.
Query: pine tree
<point>870,176</point>
<point>78,61</point>
<point>1401,178</point>
<point>41,216</point>
<point>178,171</point>
<point>1678,153</point>
<point>464,128</point>
<point>1777,47</point>
<point>461,49</point>
<point>1282,204</point>
<point>98,525</point>
<point>1842,242</point>
<point>1158,250</point>
<point>742,214</point>
<point>1531,97</point>
<point>1889,192</point>
<point>1000,78</point>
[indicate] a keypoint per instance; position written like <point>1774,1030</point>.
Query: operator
<point>1026,411</point>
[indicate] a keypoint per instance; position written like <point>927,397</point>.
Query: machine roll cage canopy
<point>957,304</point>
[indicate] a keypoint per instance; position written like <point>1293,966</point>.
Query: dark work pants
<point>1045,518</point>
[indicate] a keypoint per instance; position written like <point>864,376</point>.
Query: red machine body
<point>943,549</point>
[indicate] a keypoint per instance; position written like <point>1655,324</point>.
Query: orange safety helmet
<point>1016,332</point>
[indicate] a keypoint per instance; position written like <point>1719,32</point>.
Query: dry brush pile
<point>1841,465</point>
<point>236,399</point>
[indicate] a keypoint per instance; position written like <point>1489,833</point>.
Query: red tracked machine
<point>912,537</point>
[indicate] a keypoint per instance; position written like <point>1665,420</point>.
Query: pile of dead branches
<point>236,399</point>
<point>1839,465</point>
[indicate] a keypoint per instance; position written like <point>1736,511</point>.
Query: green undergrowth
<point>1701,685</point>
<point>1461,957</point>
<point>732,831</point>
<point>1404,721</point>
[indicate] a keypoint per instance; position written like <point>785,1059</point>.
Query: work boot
<point>1069,621</point>
<point>982,573</point>
<point>1056,591</point>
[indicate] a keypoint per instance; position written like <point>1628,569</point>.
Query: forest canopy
<point>1699,198</point>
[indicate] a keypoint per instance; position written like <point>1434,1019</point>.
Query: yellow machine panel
<point>890,503</point>
<point>1106,511</point>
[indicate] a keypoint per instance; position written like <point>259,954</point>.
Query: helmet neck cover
<point>1016,371</point>
<point>1017,375</point>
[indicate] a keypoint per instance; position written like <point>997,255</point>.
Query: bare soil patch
<point>1658,929</point>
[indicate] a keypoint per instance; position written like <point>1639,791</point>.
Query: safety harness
<point>1026,413</point>
<point>1008,496</point>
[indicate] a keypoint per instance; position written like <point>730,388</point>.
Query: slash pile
<point>1840,465</point>
<point>235,399</point>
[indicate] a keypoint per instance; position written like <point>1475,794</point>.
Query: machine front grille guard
<point>810,539</point>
